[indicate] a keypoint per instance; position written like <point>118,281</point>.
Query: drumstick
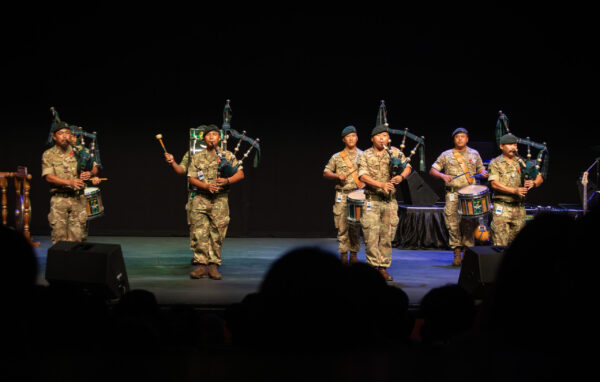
<point>458,176</point>
<point>159,137</point>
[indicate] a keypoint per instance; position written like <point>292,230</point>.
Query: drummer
<point>457,167</point>
<point>343,168</point>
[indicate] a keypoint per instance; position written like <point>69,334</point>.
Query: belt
<point>346,191</point>
<point>507,203</point>
<point>378,198</point>
<point>452,188</point>
<point>67,194</point>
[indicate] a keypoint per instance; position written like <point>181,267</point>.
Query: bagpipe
<point>226,168</point>
<point>530,168</point>
<point>397,165</point>
<point>87,156</point>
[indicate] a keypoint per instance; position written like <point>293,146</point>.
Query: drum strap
<point>462,164</point>
<point>344,155</point>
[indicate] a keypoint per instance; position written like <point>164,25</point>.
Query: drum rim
<point>482,192</point>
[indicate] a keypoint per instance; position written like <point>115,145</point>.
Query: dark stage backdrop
<point>295,82</point>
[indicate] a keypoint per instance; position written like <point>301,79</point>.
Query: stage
<point>162,265</point>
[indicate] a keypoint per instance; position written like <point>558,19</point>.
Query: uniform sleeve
<point>330,165</point>
<point>47,167</point>
<point>192,170</point>
<point>440,163</point>
<point>494,173</point>
<point>478,162</point>
<point>362,166</point>
<point>185,161</point>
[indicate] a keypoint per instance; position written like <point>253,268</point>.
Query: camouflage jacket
<point>337,165</point>
<point>377,166</point>
<point>205,165</point>
<point>61,163</point>
<point>185,161</point>
<point>509,174</point>
<point>448,164</point>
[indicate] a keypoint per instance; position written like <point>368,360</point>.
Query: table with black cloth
<point>421,227</point>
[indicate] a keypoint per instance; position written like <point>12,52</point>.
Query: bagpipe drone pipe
<point>226,168</point>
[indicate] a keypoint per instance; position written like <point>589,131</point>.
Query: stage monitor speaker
<point>416,192</point>
<point>95,267</point>
<point>479,268</point>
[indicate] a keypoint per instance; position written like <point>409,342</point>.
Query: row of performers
<point>372,172</point>
<point>459,168</point>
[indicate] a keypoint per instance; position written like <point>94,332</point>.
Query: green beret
<point>460,130</point>
<point>508,139</point>
<point>379,129</point>
<point>209,128</point>
<point>347,130</point>
<point>56,126</point>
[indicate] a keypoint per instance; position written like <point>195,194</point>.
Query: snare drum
<point>93,202</point>
<point>473,201</point>
<point>355,202</point>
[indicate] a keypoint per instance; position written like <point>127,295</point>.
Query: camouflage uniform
<point>509,210</point>
<point>208,213</point>
<point>68,214</point>
<point>380,212</point>
<point>459,230</point>
<point>348,235</point>
<point>185,161</point>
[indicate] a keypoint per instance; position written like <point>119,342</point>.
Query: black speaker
<point>416,192</point>
<point>479,267</point>
<point>96,267</point>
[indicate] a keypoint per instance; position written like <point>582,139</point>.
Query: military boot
<point>213,271</point>
<point>457,259</point>
<point>344,258</point>
<point>199,272</point>
<point>385,275</point>
<point>353,258</point>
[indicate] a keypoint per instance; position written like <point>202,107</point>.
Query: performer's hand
<point>76,184</point>
<point>447,178</point>
<point>212,188</point>
<point>521,191</point>
<point>169,158</point>
<point>221,181</point>
<point>342,177</point>
<point>95,180</point>
<point>397,179</point>
<point>484,173</point>
<point>387,187</point>
<point>529,184</point>
<point>85,175</point>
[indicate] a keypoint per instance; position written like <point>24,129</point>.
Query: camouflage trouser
<point>460,231</point>
<point>68,218</point>
<point>348,235</point>
<point>506,223</point>
<point>209,218</point>
<point>379,225</point>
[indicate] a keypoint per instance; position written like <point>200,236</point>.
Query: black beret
<point>209,128</point>
<point>56,126</point>
<point>459,130</point>
<point>379,129</point>
<point>508,139</point>
<point>347,130</point>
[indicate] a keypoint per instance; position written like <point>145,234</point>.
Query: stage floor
<point>162,264</point>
